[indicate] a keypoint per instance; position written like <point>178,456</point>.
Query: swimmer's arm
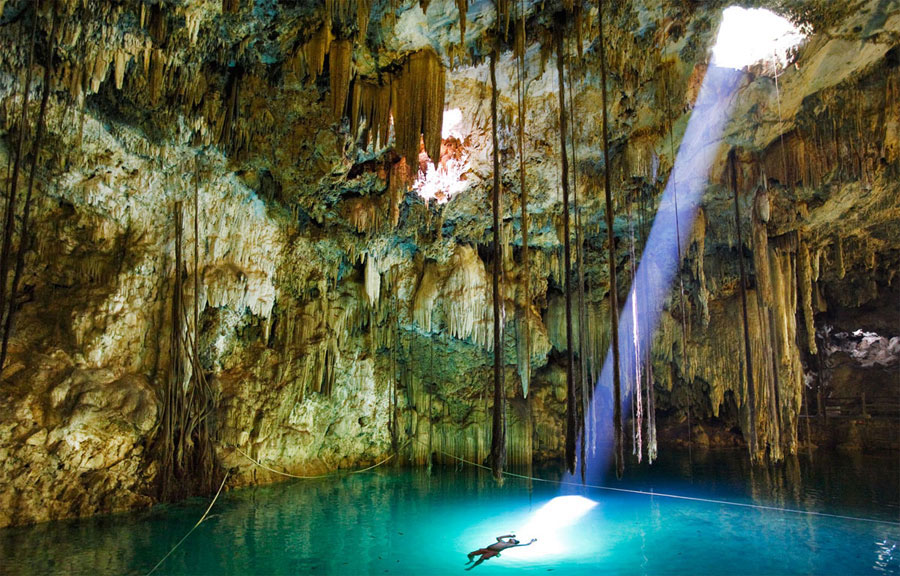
<point>533,540</point>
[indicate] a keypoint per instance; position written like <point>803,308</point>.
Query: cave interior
<point>309,270</point>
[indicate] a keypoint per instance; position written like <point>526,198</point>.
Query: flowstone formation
<point>340,317</point>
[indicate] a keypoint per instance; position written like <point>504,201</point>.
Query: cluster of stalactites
<point>340,73</point>
<point>371,102</point>
<point>309,59</point>
<point>414,92</point>
<point>341,12</point>
<point>417,103</point>
<point>413,95</point>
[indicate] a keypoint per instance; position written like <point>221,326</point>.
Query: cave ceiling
<point>296,125</point>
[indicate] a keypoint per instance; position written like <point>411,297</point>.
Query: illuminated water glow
<point>401,521</point>
<point>548,524</point>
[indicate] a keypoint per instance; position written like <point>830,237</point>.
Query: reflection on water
<point>393,521</point>
<point>886,550</point>
<point>850,484</point>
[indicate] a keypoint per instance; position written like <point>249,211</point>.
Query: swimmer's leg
<point>480,560</point>
<point>487,555</point>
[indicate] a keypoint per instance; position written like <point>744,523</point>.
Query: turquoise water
<point>391,521</point>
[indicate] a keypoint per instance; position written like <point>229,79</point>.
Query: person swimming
<point>494,549</point>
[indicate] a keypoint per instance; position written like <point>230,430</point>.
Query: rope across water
<point>533,479</point>
<point>261,465</point>
<point>200,521</point>
<point>329,475</point>
<point>678,496</point>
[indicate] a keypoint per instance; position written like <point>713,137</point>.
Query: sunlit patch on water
<point>392,521</point>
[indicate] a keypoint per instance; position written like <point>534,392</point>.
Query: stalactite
<point>231,6</point>
<point>783,324</point>
<point>371,102</point>
<point>462,6</point>
<point>232,106</point>
<point>156,81</point>
<point>397,187</point>
<point>560,22</point>
<point>748,356</point>
<point>24,234</point>
<point>372,280</point>
<point>363,11</point>
<point>315,50</point>
<point>340,73</point>
<point>806,287</point>
<point>765,296</point>
<point>158,24</point>
<point>647,351</point>
<point>9,217</point>
<point>119,69</point>
<point>637,396</point>
<point>613,297</point>
<point>698,239</point>
<point>417,103</point>
<point>498,435</point>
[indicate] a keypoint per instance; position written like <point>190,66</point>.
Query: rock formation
<point>341,316</point>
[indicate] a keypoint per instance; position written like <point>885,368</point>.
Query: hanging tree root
<point>560,21</point>
<point>684,357</point>
<point>523,191</point>
<point>183,443</point>
<point>498,434</point>
<point>613,297</point>
<point>583,382</point>
<point>9,216</point>
<point>24,235</point>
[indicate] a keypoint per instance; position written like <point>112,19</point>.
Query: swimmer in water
<point>495,549</point>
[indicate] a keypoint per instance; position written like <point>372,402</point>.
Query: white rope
<point>329,475</point>
<point>681,497</point>
<point>535,479</point>
<point>202,518</point>
<point>261,465</point>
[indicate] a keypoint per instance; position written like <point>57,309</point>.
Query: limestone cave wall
<point>341,316</point>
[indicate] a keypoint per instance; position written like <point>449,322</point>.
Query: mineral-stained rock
<point>73,441</point>
<point>340,315</point>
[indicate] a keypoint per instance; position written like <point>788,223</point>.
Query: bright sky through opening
<point>452,120</point>
<point>751,35</point>
<point>446,176</point>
